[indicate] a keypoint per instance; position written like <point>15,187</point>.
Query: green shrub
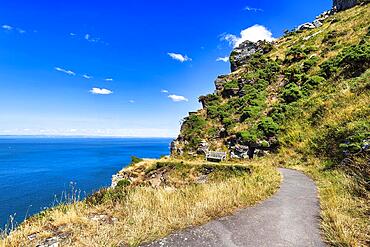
<point>261,84</point>
<point>212,112</point>
<point>355,60</point>
<point>193,129</point>
<point>265,144</point>
<point>268,127</point>
<point>291,93</point>
<point>351,62</point>
<point>228,122</point>
<point>311,83</point>
<point>310,63</point>
<point>135,160</point>
<point>249,137</point>
<point>213,132</point>
<point>231,85</point>
<point>210,99</point>
<point>341,139</point>
<point>123,183</point>
<point>293,73</point>
<point>295,54</point>
<point>250,112</point>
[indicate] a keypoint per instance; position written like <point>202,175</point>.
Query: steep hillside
<point>271,83</point>
<point>302,101</point>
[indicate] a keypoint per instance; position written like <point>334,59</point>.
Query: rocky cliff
<point>344,4</point>
<point>253,106</point>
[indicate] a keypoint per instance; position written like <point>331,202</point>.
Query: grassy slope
<point>317,127</point>
<point>140,213</point>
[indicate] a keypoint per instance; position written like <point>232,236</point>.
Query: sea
<point>38,172</point>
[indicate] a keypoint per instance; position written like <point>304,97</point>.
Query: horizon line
<point>88,136</point>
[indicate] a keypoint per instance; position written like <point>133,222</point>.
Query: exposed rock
<point>203,148</point>
<point>175,148</point>
<point>228,93</point>
<point>49,242</point>
<point>156,181</point>
<point>306,26</point>
<point>317,23</point>
<point>245,50</point>
<point>219,83</point>
<point>344,4</point>
<point>240,152</point>
<point>32,237</point>
<point>202,179</point>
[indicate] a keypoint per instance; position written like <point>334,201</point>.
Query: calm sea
<point>35,171</point>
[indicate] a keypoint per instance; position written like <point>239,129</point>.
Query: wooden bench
<point>216,156</point>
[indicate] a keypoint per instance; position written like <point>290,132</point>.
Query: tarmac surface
<point>289,218</point>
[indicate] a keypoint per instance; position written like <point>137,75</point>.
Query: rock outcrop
<point>245,50</point>
<point>340,5</point>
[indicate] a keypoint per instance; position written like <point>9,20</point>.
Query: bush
<point>311,83</point>
<point>231,85</point>
<point>329,68</point>
<point>291,93</point>
<point>250,112</point>
<point>351,62</point>
<point>337,141</point>
<point>193,129</point>
<point>249,137</point>
<point>135,160</point>
<point>309,63</point>
<point>295,54</point>
<point>268,127</point>
<point>228,122</point>
<point>210,99</point>
<point>293,74</point>
<point>355,60</point>
<point>123,183</point>
<point>212,112</point>
<point>262,84</point>
<point>265,144</point>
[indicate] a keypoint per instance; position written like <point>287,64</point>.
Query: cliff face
<point>253,107</point>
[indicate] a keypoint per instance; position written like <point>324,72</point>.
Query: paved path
<point>289,218</point>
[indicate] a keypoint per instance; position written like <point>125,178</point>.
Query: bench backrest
<point>216,155</point>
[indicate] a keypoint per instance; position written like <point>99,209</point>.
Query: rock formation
<point>340,5</point>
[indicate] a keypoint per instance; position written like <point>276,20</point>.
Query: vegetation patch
<point>135,214</point>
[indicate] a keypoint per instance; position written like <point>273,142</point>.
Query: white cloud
<point>20,30</point>
<point>253,33</point>
<point>7,27</point>
<point>68,72</point>
<point>89,38</point>
<point>72,34</point>
<point>131,101</point>
<point>179,57</point>
<point>102,91</point>
<point>10,28</point>
<point>108,79</point>
<point>247,8</point>
<point>223,59</point>
<point>87,76</point>
<point>164,91</point>
<point>177,98</point>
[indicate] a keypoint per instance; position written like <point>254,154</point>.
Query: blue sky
<point>123,68</point>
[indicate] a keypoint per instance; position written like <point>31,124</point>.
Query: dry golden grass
<point>345,218</point>
<point>147,213</point>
